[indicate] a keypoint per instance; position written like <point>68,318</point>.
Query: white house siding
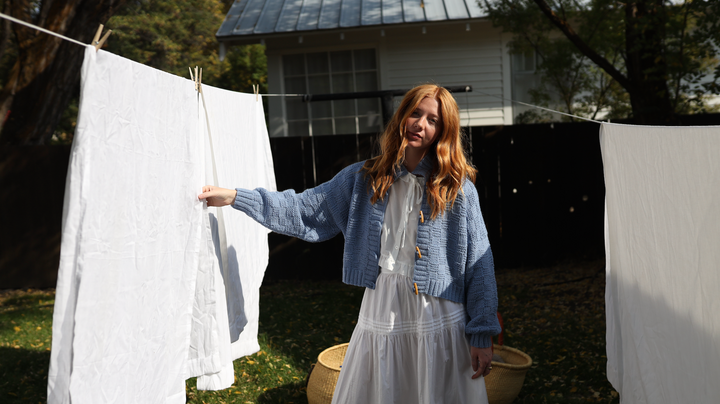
<point>451,55</point>
<point>447,54</point>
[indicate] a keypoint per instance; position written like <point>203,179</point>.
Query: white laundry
<point>140,302</point>
<point>242,157</point>
<point>662,236</point>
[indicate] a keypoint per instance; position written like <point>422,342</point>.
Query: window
<point>524,62</point>
<point>331,72</point>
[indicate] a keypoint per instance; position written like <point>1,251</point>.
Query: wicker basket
<point>324,376</point>
<point>505,380</point>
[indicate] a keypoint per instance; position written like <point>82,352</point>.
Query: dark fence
<point>541,189</point>
<point>32,187</point>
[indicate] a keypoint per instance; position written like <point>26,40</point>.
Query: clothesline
<point>27,24</point>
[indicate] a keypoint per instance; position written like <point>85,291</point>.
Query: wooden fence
<point>541,189</point>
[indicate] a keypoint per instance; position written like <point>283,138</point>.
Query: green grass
<point>25,332</point>
<point>555,315</point>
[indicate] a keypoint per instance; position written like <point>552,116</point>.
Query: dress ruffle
<point>408,348</point>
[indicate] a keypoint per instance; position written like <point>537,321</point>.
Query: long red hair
<point>450,166</point>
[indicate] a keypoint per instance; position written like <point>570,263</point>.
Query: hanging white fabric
<point>239,156</point>
<point>140,301</point>
<point>662,235</point>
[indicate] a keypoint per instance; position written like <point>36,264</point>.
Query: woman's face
<point>423,125</point>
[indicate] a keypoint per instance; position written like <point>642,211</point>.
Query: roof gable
<point>262,17</point>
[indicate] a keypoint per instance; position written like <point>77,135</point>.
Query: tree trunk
<point>46,74</point>
<point>647,73</point>
<point>646,64</point>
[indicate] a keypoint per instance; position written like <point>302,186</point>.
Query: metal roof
<point>262,17</point>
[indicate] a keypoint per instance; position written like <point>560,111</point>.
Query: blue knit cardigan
<point>455,261</point>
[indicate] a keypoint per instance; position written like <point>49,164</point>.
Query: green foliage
<point>571,82</point>
<point>172,35</point>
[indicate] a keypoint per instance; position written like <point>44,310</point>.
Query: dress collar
<point>423,169</point>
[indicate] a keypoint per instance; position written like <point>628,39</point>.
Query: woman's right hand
<point>216,196</point>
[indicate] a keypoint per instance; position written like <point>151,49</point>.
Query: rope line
<point>538,107</point>
<point>27,24</point>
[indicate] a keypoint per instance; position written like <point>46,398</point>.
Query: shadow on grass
<point>23,375</point>
<point>303,319</point>
<point>291,393</point>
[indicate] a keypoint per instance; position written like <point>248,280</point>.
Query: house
<point>340,46</point>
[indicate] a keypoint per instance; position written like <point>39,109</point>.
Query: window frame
<point>334,115</point>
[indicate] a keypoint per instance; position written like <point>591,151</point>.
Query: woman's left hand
<point>480,358</point>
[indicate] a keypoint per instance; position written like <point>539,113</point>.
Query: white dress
<point>406,348</point>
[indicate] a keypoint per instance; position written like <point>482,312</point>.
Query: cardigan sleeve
<point>315,215</point>
<point>481,289</point>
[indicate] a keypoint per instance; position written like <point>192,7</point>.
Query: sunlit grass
<point>25,332</point>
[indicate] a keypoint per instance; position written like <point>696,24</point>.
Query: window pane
<point>366,81</point>
<point>517,62</point>
<point>319,84</point>
<point>341,61</point>
<point>345,126</point>
<point>344,108</point>
<point>296,109</point>
<point>365,59</point>
<point>298,128</point>
<point>317,63</point>
<point>295,85</point>
<point>529,61</point>
<point>369,124</point>
<point>321,109</point>
<point>368,106</point>
<point>342,83</point>
<point>293,65</point>
<point>322,127</point>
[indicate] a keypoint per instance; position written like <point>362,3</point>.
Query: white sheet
<point>241,149</point>
<point>140,301</point>
<point>663,262</point>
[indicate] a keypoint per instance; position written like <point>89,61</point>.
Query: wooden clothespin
<point>256,91</point>
<point>196,78</point>
<point>97,42</point>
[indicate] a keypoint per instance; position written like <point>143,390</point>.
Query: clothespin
<point>97,42</point>
<point>256,91</point>
<point>196,78</point>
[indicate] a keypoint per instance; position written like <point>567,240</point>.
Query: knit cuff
<point>481,340</point>
<point>245,200</point>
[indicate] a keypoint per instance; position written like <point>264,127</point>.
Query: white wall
<point>452,56</point>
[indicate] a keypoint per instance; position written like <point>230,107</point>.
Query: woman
<point>415,238</point>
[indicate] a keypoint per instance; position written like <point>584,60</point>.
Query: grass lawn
<point>555,315</point>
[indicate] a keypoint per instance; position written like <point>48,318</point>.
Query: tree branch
<point>565,28</point>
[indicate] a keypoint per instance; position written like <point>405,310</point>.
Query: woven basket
<point>324,376</point>
<point>505,380</point>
